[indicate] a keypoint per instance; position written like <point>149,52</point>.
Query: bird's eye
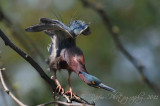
<point>93,82</point>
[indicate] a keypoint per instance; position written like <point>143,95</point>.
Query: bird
<point>64,53</point>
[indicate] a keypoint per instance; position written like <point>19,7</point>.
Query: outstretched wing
<point>79,27</point>
<point>50,27</point>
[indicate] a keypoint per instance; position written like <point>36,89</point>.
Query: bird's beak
<point>101,85</point>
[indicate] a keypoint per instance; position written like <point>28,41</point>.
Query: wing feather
<point>42,27</point>
<point>47,21</point>
<point>49,26</point>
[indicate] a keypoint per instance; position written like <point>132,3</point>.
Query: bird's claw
<point>72,94</point>
<point>59,89</point>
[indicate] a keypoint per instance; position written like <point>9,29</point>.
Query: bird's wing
<point>49,26</point>
<point>47,21</point>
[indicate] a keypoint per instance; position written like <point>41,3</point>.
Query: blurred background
<point>138,22</point>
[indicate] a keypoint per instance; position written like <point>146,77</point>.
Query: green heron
<point>64,54</point>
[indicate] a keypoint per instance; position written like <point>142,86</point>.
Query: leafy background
<point>139,26</point>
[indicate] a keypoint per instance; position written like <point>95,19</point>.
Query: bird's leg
<point>70,88</point>
<point>59,88</point>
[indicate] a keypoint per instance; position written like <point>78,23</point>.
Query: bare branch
<point>8,91</point>
<point>28,59</point>
<point>64,103</point>
<point>40,70</point>
<point>138,65</point>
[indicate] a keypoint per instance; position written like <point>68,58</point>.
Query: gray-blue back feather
<point>52,27</point>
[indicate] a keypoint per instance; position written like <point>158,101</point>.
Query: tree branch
<point>28,59</point>
<point>8,91</point>
<point>114,34</point>
<point>40,70</point>
<point>64,103</point>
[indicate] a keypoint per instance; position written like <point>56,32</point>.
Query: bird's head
<point>78,27</point>
<point>95,82</point>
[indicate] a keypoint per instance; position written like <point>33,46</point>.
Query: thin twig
<point>8,91</point>
<point>39,69</point>
<point>138,65</point>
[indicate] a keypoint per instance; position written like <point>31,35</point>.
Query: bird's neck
<point>83,78</point>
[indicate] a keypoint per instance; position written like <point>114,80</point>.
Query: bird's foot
<point>59,89</point>
<point>72,94</point>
